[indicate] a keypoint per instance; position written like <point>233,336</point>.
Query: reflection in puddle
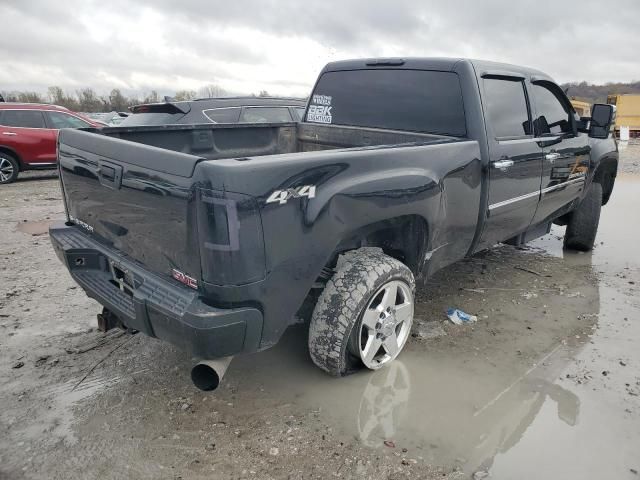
<point>461,410</point>
<point>455,420</point>
<point>383,404</point>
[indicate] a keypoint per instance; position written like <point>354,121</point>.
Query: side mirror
<point>602,118</point>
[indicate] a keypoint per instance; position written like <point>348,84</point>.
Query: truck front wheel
<point>364,315</point>
<point>583,223</point>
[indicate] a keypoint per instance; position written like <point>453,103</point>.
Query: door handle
<point>11,134</point>
<point>552,157</point>
<point>503,164</point>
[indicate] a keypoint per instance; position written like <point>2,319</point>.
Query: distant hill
<point>598,93</point>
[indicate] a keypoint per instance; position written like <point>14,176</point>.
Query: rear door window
<point>506,107</point>
<point>222,115</point>
<point>396,99</point>
<point>265,115</point>
<point>23,119</point>
<point>64,120</point>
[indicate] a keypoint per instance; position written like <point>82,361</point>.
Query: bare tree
<point>117,101</point>
<point>88,100</point>
<point>212,90</point>
<point>151,97</point>
<point>57,96</point>
<point>30,97</point>
<point>182,95</point>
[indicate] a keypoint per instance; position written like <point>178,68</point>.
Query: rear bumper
<point>159,307</point>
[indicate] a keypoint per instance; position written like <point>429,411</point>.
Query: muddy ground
<point>545,385</point>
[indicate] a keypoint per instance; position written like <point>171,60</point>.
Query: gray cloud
<point>279,45</point>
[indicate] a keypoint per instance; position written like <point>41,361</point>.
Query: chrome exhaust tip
<point>207,374</point>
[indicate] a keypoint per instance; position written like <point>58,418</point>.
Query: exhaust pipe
<point>207,374</point>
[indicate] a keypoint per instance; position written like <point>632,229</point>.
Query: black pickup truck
<point>218,237</point>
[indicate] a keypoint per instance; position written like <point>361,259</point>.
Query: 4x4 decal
<point>281,196</point>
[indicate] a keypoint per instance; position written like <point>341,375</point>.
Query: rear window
<point>396,99</point>
<point>22,118</point>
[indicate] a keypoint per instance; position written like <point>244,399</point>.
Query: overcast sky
<point>279,46</point>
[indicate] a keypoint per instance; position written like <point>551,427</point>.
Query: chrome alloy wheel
<point>385,325</point>
<point>6,169</point>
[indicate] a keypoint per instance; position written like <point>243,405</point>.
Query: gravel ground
<point>545,385</point>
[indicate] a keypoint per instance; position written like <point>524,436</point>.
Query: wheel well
<point>605,175</point>
<point>403,238</point>
<point>11,152</point>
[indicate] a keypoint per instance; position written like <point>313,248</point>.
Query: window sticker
<point>320,109</point>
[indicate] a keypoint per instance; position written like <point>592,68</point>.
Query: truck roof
<point>434,63</point>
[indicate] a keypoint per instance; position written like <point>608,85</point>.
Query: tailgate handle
<point>110,174</point>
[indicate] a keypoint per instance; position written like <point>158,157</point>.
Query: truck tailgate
<point>135,198</point>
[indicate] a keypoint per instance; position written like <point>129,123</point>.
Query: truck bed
<point>217,141</point>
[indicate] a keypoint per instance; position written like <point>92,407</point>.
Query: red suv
<point>28,135</point>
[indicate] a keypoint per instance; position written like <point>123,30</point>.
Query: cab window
<point>507,107</point>
<point>553,113</point>
<point>23,119</point>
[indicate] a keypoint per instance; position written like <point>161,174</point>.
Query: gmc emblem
<point>184,278</point>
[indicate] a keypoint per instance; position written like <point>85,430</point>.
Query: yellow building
<point>627,112</point>
<point>582,108</point>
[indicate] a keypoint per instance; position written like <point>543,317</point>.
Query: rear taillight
<point>230,238</point>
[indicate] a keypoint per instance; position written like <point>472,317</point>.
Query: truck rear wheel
<point>9,168</point>
<point>364,315</point>
<point>583,223</point>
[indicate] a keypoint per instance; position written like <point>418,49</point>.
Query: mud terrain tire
<point>359,275</point>
<point>583,224</point>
